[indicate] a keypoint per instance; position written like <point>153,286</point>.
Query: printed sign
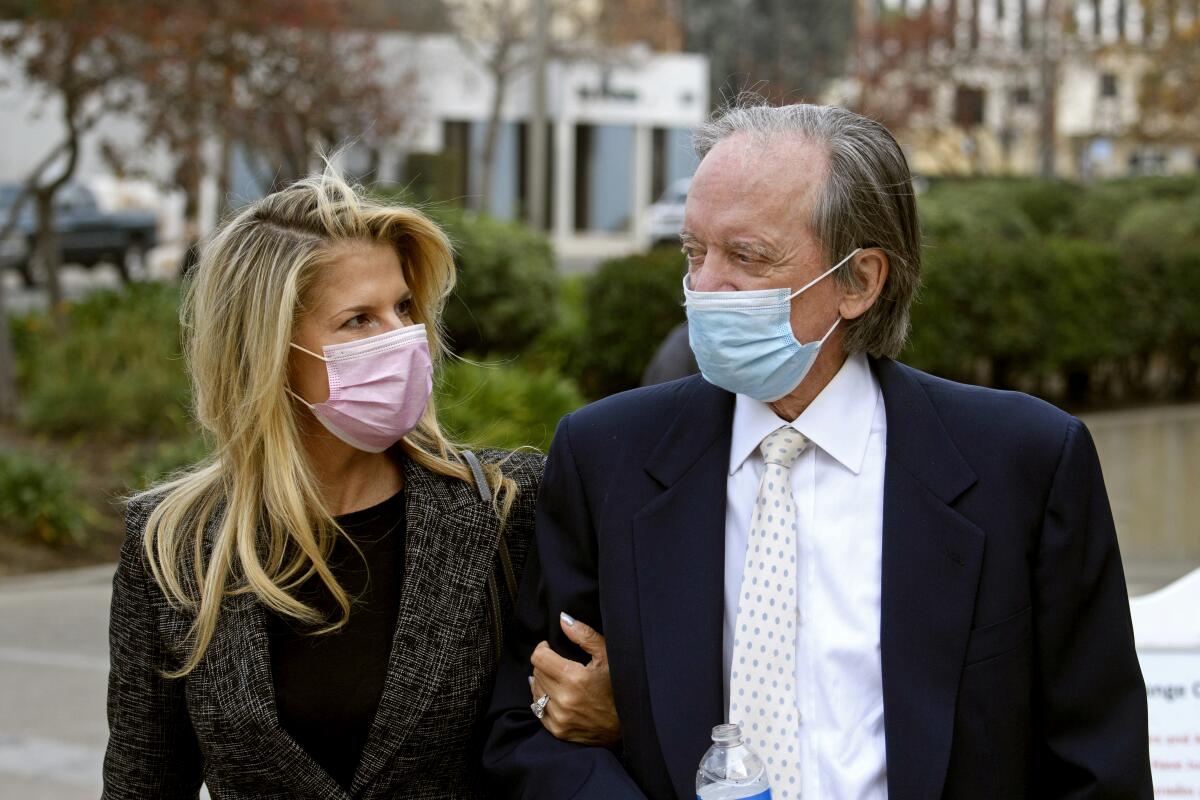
<point>1173,700</point>
<point>1167,629</point>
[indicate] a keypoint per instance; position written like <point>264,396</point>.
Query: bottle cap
<point>729,733</point>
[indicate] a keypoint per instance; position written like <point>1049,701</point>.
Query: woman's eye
<point>404,308</point>
<point>357,321</point>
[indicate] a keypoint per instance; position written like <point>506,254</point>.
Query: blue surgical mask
<point>743,341</point>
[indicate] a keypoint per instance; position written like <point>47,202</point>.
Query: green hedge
<point>114,370</point>
<point>507,285</point>
<point>507,290</point>
<point>40,499</point>
<point>629,306</point>
<point>503,405</point>
<point>1070,291</point>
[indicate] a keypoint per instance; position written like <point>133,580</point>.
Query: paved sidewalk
<point>54,669</point>
<point>53,673</point>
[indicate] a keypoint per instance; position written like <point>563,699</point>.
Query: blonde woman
<point>317,609</point>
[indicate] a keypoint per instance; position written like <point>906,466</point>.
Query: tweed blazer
<point>218,725</point>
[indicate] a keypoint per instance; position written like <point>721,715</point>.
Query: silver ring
<point>539,707</point>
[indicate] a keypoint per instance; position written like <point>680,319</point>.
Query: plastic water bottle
<point>730,770</point>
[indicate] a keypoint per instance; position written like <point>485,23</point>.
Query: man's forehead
<point>754,186</point>
<point>784,168</point>
<point>770,152</point>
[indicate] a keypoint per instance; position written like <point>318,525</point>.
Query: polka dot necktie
<point>762,679</point>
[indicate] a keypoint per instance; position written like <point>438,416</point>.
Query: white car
<point>665,217</point>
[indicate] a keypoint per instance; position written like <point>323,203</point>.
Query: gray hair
<point>867,201</point>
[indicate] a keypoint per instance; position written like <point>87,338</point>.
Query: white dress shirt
<point>837,483</point>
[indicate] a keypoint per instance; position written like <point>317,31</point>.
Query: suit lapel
<point>448,556</point>
<point>931,564</point>
<point>679,547</point>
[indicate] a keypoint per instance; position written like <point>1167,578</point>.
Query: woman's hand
<point>580,708</point>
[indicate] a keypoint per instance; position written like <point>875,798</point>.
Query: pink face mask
<point>378,387</point>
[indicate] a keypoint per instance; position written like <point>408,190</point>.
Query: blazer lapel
<point>679,547</point>
<point>931,564</point>
<point>238,666</point>
<point>448,556</point>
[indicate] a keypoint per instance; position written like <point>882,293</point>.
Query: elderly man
<point>900,586</point>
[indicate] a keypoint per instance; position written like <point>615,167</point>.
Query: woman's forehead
<point>360,273</point>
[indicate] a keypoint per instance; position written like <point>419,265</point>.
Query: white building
<point>962,83</point>
<point>619,134</point>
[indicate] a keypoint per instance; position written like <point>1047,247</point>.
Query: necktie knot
<point>783,446</point>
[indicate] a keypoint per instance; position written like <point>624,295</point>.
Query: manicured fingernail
<point>567,618</point>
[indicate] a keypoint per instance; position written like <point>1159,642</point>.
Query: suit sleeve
<point>1091,707</point>
<point>152,750</point>
<point>521,758</point>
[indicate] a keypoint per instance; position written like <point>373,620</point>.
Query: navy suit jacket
<point>1008,662</point>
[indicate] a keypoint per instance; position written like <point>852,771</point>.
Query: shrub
<point>979,303</point>
<point>507,288</point>
<point>1050,206</point>
<point>115,369</point>
<point>1105,205</point>
<point>503,405</point>
<point>969,210</point>
<point>40,499</point>
<point>630,304</point>
<point>1159,242</point>
<point>559,346</point>
<point>152,462</point>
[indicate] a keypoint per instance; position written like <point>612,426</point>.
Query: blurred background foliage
<point>1088,296</point>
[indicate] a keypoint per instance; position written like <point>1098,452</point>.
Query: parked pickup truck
<point>86,234</point>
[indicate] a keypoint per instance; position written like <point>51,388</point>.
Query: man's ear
<point>871,271</point>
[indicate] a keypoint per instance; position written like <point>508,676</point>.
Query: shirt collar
<point>838,420</point>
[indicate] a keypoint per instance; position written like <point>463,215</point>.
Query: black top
<point>327,687</point>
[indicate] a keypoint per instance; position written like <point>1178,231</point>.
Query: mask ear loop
<point>823,275</point>
<point>831,327</point>
<point>314,355</point>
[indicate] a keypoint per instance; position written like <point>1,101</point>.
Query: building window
<point>464,141</point>
<point>1021,96</point>
<point>673,159</point>
<point>603,178</point>
<point>1147,162</point>
<point>920,98</point>
<point>1108,84</point>
<point>457,144</point>
<point>968,106</point>
<point>502,201</point>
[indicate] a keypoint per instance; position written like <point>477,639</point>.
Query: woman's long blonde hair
<point>250,518</point>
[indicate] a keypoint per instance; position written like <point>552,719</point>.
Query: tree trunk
<point>8,366</point>
<point>224,173</point>
<point>1048,73</point>
<point>47,253</point>
<point>489,140</point>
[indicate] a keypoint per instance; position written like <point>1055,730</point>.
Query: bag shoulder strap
<point>506,567</point>
<point>481,484</point>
